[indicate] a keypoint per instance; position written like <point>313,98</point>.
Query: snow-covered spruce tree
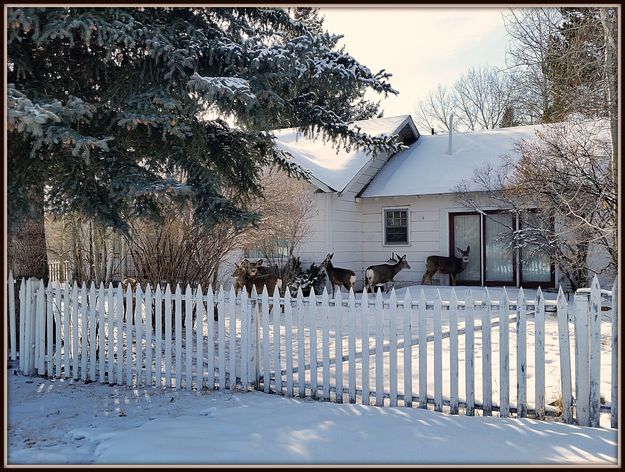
<point>112,110</point>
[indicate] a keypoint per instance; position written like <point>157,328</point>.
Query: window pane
<point>396,226</point>
<point>535,265</point>
<point>467,233</point>
<point>498,249</point>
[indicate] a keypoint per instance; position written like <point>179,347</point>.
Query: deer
<point>446,265</point>
<point>248,274</point>
<point>338,276</point>
<point>385,273</point>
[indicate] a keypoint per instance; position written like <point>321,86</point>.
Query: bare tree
<point>482,96</point>
<point>286,213</point>
<point>180,249</point>
<point>565,175</point>
<point>530,30</point>
<point>433,112</point>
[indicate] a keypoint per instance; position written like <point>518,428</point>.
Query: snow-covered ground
<point>70,422</point>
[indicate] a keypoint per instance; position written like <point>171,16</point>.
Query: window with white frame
<point>396,226</point>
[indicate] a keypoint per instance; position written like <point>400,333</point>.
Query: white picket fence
<point>370,349</point>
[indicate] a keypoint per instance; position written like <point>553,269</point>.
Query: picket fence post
<point>338,346</point>
<point>423,352</point>
<point>582,372</point>
<point>168,338</point>
<point>101,332</point>
<point>49,336</point>
<point>210,348</point>
<point>352,346</point>
<point>325,341</point>
<point>199,313</point>
<point>188,338</point>
<point>221,334</point>
<point>453,353</point>
<point>365,347</point>
<point>276,340</point>
<point>407,349</point>
<point>111,331</point>
<point>487,388</point>
<point>12,327</point>
<point>138,310</point>
<point>41,329</point>
<point>469,355</point>
<point>266,353</point>
<point>595,351</point>
<point>539,349</point>
<point>312,315</point>
<point>22,333</point>
<point>438,353</point>
<point>521,357</point>
<point>392,335</point>
<point>301,362</point>
<point>148,335</point>
<point>565,357</point>
<point>504,359</point>
<point>232,351</point>
<point>379,350</point>
<point>244,336</point>
<point>288,326</point>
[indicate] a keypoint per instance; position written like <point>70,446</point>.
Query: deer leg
<point>452,279</point>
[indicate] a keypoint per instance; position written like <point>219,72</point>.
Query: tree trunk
<point>611,75</point>
<point>26,251</point>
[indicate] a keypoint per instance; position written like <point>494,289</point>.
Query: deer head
<point>465,254</point>
<point>327,261</point>
<point>403,263</point>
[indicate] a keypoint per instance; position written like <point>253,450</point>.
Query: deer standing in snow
<point>384,273</point>
<point>338,276</point>
<point>446,265</point>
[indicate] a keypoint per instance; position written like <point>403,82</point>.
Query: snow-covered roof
<point>426,168</point>
<point>327,166</point>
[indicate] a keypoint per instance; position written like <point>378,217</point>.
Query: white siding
<point>428,232</point>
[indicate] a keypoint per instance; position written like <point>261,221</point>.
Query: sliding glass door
<point>493,260</point>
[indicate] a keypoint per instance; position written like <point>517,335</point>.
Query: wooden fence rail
<point>457,355</point>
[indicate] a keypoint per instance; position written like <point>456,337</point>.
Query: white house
<point>368,208</point>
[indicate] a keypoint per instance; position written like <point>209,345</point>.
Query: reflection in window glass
<point>535,265</point>
<point>467,233</point>
<point>497,236</point>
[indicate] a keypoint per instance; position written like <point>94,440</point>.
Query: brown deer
<point>252,274</point>
<point>384,273</point>
<point>338,276</point>
<point>446,265</point>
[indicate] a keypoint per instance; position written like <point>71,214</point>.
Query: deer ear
<point>331,255</point>
<point>458,249</point>
<point>259,262</point>
<point>468,248</point>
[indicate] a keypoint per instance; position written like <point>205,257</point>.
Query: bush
<point>312,278</point>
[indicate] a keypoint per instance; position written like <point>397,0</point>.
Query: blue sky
<point>420,46</point>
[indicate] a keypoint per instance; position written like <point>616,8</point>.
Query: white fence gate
<point>459,356</point>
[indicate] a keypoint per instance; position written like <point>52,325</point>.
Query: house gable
<point>340,171</point>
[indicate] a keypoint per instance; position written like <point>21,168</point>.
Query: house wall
<point>428,225</point>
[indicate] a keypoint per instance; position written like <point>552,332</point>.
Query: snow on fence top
<point>427,168</point>
<point>332,168</point>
